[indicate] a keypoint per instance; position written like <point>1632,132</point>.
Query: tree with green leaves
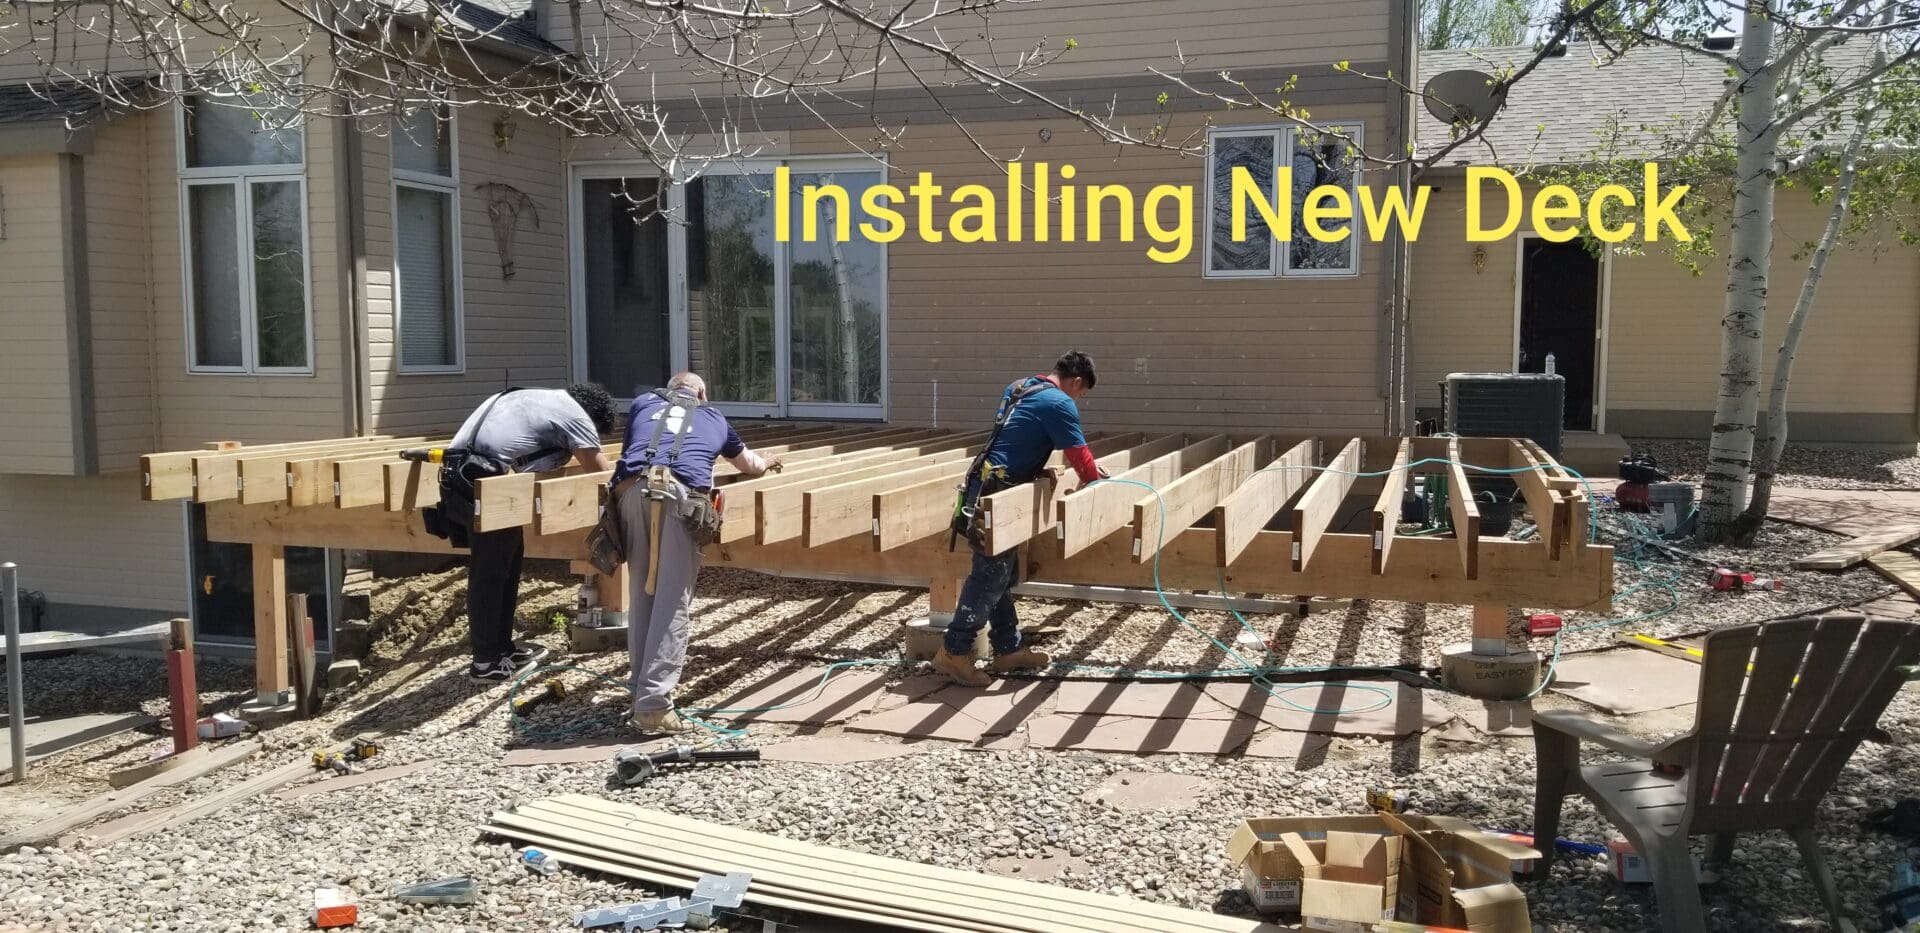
<point>1819,97</point>
<point>1461,24</point>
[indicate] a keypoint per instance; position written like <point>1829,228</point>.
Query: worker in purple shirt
<point>670,428</point>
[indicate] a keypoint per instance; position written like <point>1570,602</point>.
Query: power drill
<point>358,749</point>
<point>424,454</point>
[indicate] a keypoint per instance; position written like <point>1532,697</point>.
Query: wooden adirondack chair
<point>1782,707</point>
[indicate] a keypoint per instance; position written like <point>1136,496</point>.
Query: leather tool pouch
<point>702,517</point>
<point>607,542</point>
<point>460,473</point>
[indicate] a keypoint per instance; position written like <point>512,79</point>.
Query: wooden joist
<point>1309,517</point>
<point>1386,509</point>
<point>1014,516</point>
<point>171,474</point>
<point>1106,508</point>
<point>1551,513</point>
<point>913,513</point>
<point>780,510</point>
<point>1249,509</point>
<point>1178,504</point>
<point>845,509</point>
<point>1464,512</point>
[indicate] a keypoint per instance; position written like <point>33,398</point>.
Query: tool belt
<point>984,478</point>
<point>460,474</point>
<point>698,509</point>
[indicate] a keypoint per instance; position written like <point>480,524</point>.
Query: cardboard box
<point>1630,867</point>
<point>1433,870</point>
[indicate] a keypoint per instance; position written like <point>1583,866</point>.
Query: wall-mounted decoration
<point>505,206</point>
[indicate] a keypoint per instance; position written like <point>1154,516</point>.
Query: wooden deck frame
<point>875,501</point>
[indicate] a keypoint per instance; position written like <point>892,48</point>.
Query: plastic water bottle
<point>1550,368</point>
<point>544,863</point>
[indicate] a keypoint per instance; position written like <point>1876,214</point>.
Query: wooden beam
<point>1386,509</point>
<point>359,529</point>
<point>1549,507</point>
<point>170,474</point>
<point>741,508</point>
<point>564,503</point>
<point>502,502</point>
<point>913,513</point>
<point>216,476</point>
<point>1030,509</point>
<point>1316,508</point>
<point>1573,491</point>
<point>361,482</point>
<point>1490,630</point>
<point>844,510</point>
<point>1193,495</point>
<point>270,620</point>
<point>1104,508</point>
<point>780,510</point>
<point>795,454</point>
<point>1466,512</point>
<point>1249,508</point>
<point>310,480</point>
<point>412,486</point>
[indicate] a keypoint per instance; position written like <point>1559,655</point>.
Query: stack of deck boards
<point>661,848</point>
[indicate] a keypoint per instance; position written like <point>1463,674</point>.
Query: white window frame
<point>242,178</point>
<point>439,184</point>
<point>678,314</point>
<point>1280,261</point>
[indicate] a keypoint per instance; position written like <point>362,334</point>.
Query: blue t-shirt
<point>709,437</point>
<point>1045,421</point>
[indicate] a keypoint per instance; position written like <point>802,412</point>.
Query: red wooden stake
<point>183,693</point>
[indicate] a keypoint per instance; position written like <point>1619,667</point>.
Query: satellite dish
<point>1462,96</point>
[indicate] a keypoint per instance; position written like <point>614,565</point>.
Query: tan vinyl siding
<point>1175,351</point>
<point>37,419</point>
<point>1859,353</point>
<point>119,194</point>
<point>517,329</point>
<point>91,541</point>
<point>1112,37</point>
<point>199,407</point>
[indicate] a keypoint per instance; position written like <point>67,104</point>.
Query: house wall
<point>100,554</point>
<point>1111,37</point>
<point>1176,351</point>
<point>1854,378</point>
<point>127,411</point>
<point>36,354</point>
<point>517,329</point>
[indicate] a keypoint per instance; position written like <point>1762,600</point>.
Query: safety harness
<point>658,484</point>
<point>982,474</point>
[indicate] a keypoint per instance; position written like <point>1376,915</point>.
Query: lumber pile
<point>661,848</point>
<point>1846,554</point>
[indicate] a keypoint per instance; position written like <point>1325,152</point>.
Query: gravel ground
<point>254,867</point>
<point>1812,466</point>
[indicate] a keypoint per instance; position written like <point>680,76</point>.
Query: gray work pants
<point>657,625</point>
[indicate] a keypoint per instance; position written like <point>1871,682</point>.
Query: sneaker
<point>960,670</point>
<point>661,722</point>
<point>524,657</point>
<point>491,672</point>
<point>1019,658</point>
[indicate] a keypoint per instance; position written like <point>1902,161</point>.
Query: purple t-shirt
<point>709,437</point>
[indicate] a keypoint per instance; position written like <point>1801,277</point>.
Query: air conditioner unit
<point>1529,405</point>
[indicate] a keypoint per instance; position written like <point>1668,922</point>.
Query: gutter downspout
<point>353,271</point>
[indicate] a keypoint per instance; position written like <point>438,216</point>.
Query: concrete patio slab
<point>1140,736</point>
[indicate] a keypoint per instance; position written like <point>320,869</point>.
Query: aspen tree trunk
<point>1756,512</point>
<point>1730,451</point>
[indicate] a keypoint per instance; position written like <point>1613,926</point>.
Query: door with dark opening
<point>1560,315</point>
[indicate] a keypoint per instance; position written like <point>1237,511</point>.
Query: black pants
<point>493,590</point>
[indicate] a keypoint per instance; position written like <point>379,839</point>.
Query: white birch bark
<point>1730,451</point>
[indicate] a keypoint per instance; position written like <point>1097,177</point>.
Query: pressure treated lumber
<point>845,509</point>
<point>1465,512</point>
<point>1309,517</point>
<point>1846,554</point>
<point>1900,567</point>
<point>861,878</point>
<point>270,620</point>
<point>1386,509</point>
<point>170,474</point>
<point>1016,515</point>
<point>1248,510</point>
<point>1549,506</point>
<point>412,486</point>
<point>914,513</point>
<point>780,510</point>
<point>1178,504</point>
<point>216,476</point>
<point>1575,492</point>
<point>1103,509</point>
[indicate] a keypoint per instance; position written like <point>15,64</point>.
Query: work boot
<point>1019,658</point>
<point>960,670</point>
<point>662,722</point>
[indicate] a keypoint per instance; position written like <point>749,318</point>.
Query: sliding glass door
<point>792,329</point>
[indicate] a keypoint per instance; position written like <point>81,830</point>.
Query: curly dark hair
<point>598,402</point>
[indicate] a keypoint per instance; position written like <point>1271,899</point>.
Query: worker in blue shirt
<point>1037,416</point>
